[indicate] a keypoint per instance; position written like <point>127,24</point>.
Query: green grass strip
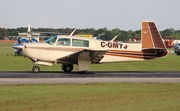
<point>91,97</point>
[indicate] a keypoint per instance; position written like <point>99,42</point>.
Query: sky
<point>82,14</point>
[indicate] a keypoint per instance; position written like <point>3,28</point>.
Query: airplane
<point>70,50</point>
<point>24,39</point>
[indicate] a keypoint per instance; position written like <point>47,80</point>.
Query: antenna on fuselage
<point>72,32</point>
<point>113,38</point>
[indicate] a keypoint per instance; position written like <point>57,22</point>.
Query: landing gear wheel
<point>35,69</point>
<point>67,68</point>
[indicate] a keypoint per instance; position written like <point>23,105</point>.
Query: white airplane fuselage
<point>69,50</point>
<point>51,53</point>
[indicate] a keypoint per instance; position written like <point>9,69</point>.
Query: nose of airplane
<point>18,46</point>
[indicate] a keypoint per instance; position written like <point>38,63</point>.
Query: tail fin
<point>152,43</point>
<point>29,31</point>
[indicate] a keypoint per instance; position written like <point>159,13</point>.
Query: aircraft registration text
<point>114,45</point>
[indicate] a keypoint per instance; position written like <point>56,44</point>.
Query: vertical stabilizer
<point>151,37</point>
<point>29,31</point>
<point>152,42</point>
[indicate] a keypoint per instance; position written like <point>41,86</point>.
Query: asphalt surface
<point>22,77</point>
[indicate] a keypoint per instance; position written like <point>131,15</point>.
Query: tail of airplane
<point>152,43</point>
<point>29,31</point>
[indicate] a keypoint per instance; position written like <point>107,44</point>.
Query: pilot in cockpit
<point>60,43</point>
<point>64,42</point>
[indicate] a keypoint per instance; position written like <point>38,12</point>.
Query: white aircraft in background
<point>69,50</point>
<point>24,39</point>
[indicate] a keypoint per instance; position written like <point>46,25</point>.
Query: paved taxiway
<point>21,77</point>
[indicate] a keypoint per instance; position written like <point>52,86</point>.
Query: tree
<point>167,32</point>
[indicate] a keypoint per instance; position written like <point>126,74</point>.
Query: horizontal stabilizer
<point>18,46</point>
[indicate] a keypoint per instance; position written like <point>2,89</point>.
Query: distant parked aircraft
<point>24,39</point>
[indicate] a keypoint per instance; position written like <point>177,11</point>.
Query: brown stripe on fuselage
<point>149,52</point>
<point>134,56</point>
<point>137,54</point>
<point>124,51</point>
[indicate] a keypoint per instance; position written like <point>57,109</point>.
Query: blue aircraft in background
<point>24,39</point>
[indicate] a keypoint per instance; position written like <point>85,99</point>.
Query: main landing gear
<point>67,68</point>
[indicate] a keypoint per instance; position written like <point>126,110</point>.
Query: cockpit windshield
<point>51,40</point>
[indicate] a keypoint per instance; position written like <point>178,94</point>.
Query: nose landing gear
<point>35,69</point>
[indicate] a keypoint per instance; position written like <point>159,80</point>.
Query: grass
<point>91,97</point>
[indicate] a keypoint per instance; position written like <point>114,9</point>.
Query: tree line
<point>103,33</point>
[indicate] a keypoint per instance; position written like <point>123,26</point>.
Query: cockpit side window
<point>51,40</point>
<point>80,43</point>
<point>63,41</point>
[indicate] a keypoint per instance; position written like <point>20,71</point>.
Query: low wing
<point>94,56</point>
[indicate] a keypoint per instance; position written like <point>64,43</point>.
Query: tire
<point>35,69</point>
<point>67,68</point>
